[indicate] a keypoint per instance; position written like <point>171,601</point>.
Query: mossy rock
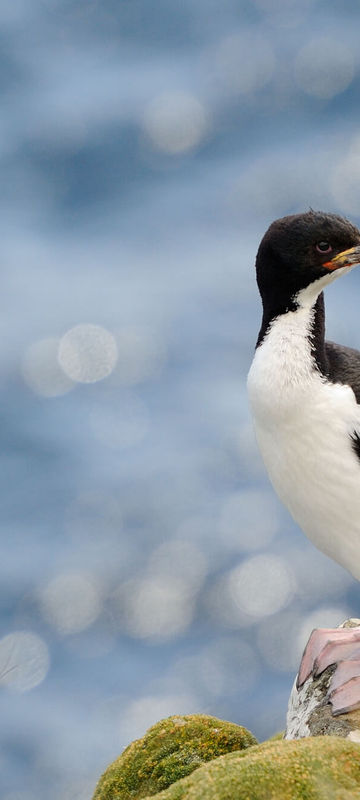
<point>315,768</point>
<point>169,751</point>
<point>276,737</point>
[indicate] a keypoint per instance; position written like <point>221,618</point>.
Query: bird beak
<point>345,259</point>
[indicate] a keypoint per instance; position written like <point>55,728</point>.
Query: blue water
<point>144,150</point>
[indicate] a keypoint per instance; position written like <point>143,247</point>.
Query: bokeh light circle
<point>262,585</point>
<point>345,179</point>
<point>175,122</point>
<point>87,353</point>
<point>41,369</point>
<point>244,63</point>
<point>24,660</point>
<point>324,67</point>
<point>156,608</point>
<point>71,602</point>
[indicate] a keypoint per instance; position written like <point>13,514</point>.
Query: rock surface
<point>310,711</point>
<point>169,751</point>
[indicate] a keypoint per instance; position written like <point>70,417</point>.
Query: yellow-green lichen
<point>321,768</point>
<point>276,737</point>
<point>169,751</point>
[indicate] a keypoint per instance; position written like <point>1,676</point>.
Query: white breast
<point>303,426</point>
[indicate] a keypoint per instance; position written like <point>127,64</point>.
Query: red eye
<point>323,247</point>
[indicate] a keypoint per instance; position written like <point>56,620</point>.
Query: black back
<point>339,364</point>
<point>344,366</point>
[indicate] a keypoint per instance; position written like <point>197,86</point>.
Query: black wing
<point>343,365</point>
<point>356,443</point>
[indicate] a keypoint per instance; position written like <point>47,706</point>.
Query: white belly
<point>303,427</point>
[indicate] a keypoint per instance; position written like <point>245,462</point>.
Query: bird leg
<point>339,646</point>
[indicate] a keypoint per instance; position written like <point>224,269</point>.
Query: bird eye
<point>323,247</point>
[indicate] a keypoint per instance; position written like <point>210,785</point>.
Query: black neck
<point>318,336</point>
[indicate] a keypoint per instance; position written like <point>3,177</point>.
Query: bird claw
<point>339,646</point>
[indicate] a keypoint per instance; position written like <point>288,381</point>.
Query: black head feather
<point>289,258</point>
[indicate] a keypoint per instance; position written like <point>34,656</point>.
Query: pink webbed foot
<point>339,646</point>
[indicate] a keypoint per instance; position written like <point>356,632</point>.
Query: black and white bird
<point>305,399</point>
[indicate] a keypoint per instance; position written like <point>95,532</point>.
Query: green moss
<point>276,737</point>
<point>321,768</point>
<point>170,750</point>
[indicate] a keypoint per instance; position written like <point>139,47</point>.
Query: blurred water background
<point>147,568</point>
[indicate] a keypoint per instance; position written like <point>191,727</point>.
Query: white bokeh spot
<point>345,179</point>
<point>324,67</point>
<point>156,608</point>
<point>24,660</point>
<point>245,63</point>
<point>87,353</point>
<point>41,369</point>
<point>71,602</point>
<point>261,585</point>
<point>176,122</point>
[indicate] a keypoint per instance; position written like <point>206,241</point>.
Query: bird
<point>304,394</point>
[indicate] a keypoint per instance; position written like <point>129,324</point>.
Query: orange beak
<point>345,259</point>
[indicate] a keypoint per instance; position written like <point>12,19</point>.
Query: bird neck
<point>318,335</point>
<point>315,330</point>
